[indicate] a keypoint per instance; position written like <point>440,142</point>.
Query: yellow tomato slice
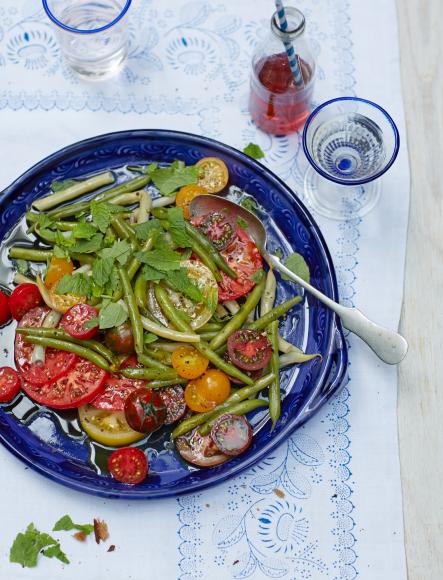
<point>195,401</point>
<point>107,427</point>
<point>186,195</point>
<point>214,174</point>
<point>58,267</point>
<point>188,362</point>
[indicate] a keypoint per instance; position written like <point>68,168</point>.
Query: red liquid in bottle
<point>276,104</point>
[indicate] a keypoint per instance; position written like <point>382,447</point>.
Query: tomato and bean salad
<point>140,316</point>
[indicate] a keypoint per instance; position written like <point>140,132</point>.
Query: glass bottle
<point>277,105</point>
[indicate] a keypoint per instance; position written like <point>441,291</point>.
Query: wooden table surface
<point>420,401</point>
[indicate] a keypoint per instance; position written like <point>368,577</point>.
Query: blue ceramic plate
<point>52,444</point>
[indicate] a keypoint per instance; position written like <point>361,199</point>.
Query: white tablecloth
<point>188,69</point>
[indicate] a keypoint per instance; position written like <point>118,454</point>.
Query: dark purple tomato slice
<point>217,228</point>
<point>199,449</point>
<point>232,434</point>
<point>254,375</point>
<point>145,410</point>
<point>249,349</point>
<point>174,400</point>
<point>120,339</point>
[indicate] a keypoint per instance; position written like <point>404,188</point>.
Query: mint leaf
<point>79,285</point>
<point>113,284</point>
<point>151,274</point>
<point>60,252</point>
<point>56,552</point>
<point>62,185</point>
<point>163,260</point>
<point>168,179</point>
<point>112,314</point>
<point>253,151</point>
<point>88,246</point>
<point>279,253</point>
<point>243,224</point>
<point>249,203</point>
<point>43,220</point>
<point>120,251</point>
<point>27,546</point>
<point>178,227</point>
<point>149,337</point>
<point>65,523</point>
<point>180,281</point>
<point>91,323</point>
<point>84,230</point>
<point>144,231</point>
<point>101,270</point>
<point>297,264</point>
<point>258,275</point>
<point>103,213</point>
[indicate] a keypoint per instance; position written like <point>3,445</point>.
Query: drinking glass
<point>350,143</point>
<point>93,35</point>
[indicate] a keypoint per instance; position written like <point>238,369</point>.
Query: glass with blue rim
<point>93,35</point>
<point>350,143</point>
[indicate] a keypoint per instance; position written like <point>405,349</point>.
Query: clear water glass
<point>93,35</point>
<point>350,143</point>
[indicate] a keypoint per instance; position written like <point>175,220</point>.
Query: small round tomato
<point>195,400</point>
<point>188,362</point>
<point>107,427</point>
<point>128,465</point>
<point>186,194</point>
<point>145,410</point>
<point>75,319</point>
<point>120,339</point>
<point>5,311</point>
<point>214,174</point>
<point>174,400</point>
<point>9,384</point>
<point>254,375</point>
<point>232,434</point>
<point>249,349</point>
<point>214,386</point>
<point>58,267</point>
<point>217,228</point>
<point>23,298</point>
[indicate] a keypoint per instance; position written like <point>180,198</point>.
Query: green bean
<point>171,313</point>
<point>20,279</point>
<point>151,362</point>
<point>26,253</point>
<point>133,267</point>
<point>61,334</point>
<point>236,409</point>
<point>108,195</point>
<point>238,319</point>
<point>274,389</point>
<point>209,327</point>
<point>295,357</point>
<point>207,260</point>
<point>134,314</point>
<point>82,351</point>
<point>208,335</point>
<point>123,229</point>
<point>164,332</point>
<point>160,355</point>
<point>76,190</point>
<point>268,298</point>
<point>240,395</point>
<point>83,258</point>
<point>166,383</point>
<point>150,373</point>
<point>141,293</point>
<point>273,314</point>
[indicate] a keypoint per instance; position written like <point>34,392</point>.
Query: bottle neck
<point>289,28</point>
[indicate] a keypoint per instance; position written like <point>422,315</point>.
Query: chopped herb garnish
<point>253,151</point>
<point>103,213</point>
<point>112,314</point>
<point>249,203</point>
<point>101,270</point>
<point>65,523</point>
<point>169,179</point>
<point>145,230</point>
<point>88,246</point>
<point>181,282</point>
<point>243,224</point>
<point>163,260</point>
<point>297,264</point>
<point>120,251</point>
<point>84,230</point>
<point>57,186</point>
<point>257,276</point>
<point>178,227</point>
<point>28,545</point>
<point>79,285</point>
<point>149,337</point>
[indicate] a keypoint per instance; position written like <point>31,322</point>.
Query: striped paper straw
<point>292,57</point>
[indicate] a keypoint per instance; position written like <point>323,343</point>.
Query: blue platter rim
<point>335,358</point>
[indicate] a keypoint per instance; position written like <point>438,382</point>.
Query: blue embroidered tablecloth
<point>327,503</point>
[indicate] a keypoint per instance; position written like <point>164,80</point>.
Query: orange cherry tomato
<point>194,400</point>
<point>188,362</point>
<point>58,267</point>
<point>214,174</point>
<point>186,194</point>
<point>214,386</point>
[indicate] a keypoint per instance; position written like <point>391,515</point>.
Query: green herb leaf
<point>103,212</point>
<point>65,523</point>
<point>181,282</point>
<point>143,169</point>
<point>43,221</point>
<point>297,264</point>
<point>120,251</point>
<point>163,260</point>
<point>169,179</point>
<point>56,552</point>
<point>257,276</point>
<point>145,230</point>
<point>151,274</point>
<point>62,185</point>
<point>60,252</point>
<point>249,203</point>
<point>253,151</point>
<point>79,285</point>
<point>149,337</point>
<point>22,266</point>
<point>84,230</point>
<point>178,227</point>
<point>88,246</point>
<point>243,224</point>
<point>101,270</point>
<point>28,545</point>
<point>113,284</point>
<point>91,323</point>
<point>279,253</point>
<point>112,314</point>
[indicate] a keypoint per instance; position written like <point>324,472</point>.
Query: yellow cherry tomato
<point>214,174</point>
<point>214,386</point>
<point>58,267</point>
<point>194,400</point>
<point>107,427</point>
<point>188,362</point>
<point>186,194</point>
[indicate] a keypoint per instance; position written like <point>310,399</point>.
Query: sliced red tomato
<point>243,256</point>
<point>10,384</point>
<point>81,384</point>
<point>75,319</point>
<point>57,362</point>
<point>199,450</point>
<point>5,311</point>
<point>232,434</point>
<point>249,349</point>
<point>116,391</point>
<point>128,465</point>
<point>145,410</point>
<point>23,298</point>
<point>174,400</point>
<point>219,230</point>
